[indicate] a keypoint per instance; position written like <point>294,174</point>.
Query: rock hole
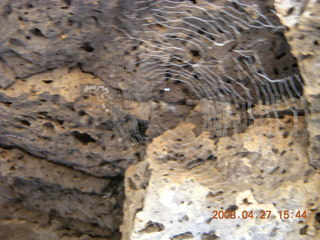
<point>47,81</point>
<point>84,138</point>
<point>13,167</point>
<point>68,2</point>
<point>195,53</point>
<point>182,236</point>
<point>209,236</point>
<point>303,231</point>
<point>37,32</point>
<point>86,47</point>
<point>60,121</point>
<point>201,32</point>
<point>131,184</point>
<point>290,11</point>
<point>285,134</point>
<point>194,163</point>
<point>160,27</point>
<point>81,113</point>
<point>25,122</point>
<point>8,104</point>
<point>211,157</point>
<point>184,218</point>
<point>317,217</point>
<point>48,125</point>
<point>70,23</point>
<point>232,208</point>
<point>152,227</point>
<point>246,202</point>
<point>16,42</point>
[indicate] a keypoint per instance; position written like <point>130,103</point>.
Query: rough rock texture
<point>37,36</point>
<point>264,168</point>
<point>50,116</point>
<point>80,108</point>
<point>303,33</point>
<point>183,191</point>
<point>50,163</point>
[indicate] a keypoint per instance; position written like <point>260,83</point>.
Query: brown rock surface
<point>264,169</point>
<point>303,23</point>
<point>87,92</point>
<point>47,162</point>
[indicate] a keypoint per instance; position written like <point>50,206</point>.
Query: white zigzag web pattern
<point>195,45</point>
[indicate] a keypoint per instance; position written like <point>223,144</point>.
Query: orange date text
<point>260,214</point>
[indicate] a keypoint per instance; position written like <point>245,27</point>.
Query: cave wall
<point>61,163</point>
<point>302,21</point>
<point>87,150</point>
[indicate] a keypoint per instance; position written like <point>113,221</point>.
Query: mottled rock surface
<point>50,164</point>
<point>96,130</point>
<point>303,34</point>
<point>265,168</point>
<point>232,173</point>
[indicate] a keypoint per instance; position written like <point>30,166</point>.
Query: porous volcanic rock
<point>72,125</point>
<point>303,34</point>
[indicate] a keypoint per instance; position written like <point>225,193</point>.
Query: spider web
<point>198,50</point>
